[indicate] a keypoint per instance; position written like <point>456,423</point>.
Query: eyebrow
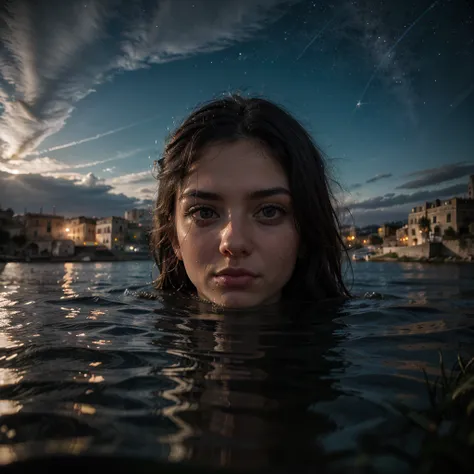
<point>210,196</point>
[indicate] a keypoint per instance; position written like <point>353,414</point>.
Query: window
<point>434,219</point>
<point>448,217</point>
<point>48,227</point>
<point>413,232</point>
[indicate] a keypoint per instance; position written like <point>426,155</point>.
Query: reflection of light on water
<point>101,342</point>
<point>7,342</point>
<point>94,313</point>
<point>10,377</point>
<point>9,454</point>
<point>422,327</point>
<point>68,280</point>
<point>178,451</point>
<point>84,409</point>
<point>9,407</point>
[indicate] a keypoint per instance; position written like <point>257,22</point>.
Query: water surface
<point>89,368</point>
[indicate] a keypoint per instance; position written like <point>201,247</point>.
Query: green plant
<point>4,237</point>
<point>424,224</point>
<point>449,233</point>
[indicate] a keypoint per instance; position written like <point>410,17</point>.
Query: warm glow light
<point>67,229</point>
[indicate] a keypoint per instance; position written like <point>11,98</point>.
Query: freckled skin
<point>256,234</point>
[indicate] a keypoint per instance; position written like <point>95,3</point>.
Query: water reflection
<point>244,385</point>
<point>68,280</point>
<point>105,372</point>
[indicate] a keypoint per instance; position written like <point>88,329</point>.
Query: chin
<point>236,300</point>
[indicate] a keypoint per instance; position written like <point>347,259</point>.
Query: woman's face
<point>235,228</point>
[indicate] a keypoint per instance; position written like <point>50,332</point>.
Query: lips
<point>234,278</point>
<point>235,272</point>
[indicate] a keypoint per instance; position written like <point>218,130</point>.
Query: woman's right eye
<point>200,213</point>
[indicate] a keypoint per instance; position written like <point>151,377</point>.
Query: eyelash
<point>190,212</point>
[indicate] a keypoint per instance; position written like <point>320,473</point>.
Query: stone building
<point>402,235</point>
<point>112,232</point>
<point>141,216</point>
<point>456,213</point>
<point>81,230</point>
<point>44,227</point>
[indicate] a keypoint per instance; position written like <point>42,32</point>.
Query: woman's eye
<point>205,213</point>
<point>269,212</point>
<point>201,213</point>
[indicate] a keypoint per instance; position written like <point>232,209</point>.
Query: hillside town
<point>442,228</point>
<point>50,236</point>
<point>37,236</point>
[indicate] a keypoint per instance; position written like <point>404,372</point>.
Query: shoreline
<point>78,259</point>
<point>431,260</point>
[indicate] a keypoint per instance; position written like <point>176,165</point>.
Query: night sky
<point>89,91</point>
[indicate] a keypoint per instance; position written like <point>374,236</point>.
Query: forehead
<point>243,165</point>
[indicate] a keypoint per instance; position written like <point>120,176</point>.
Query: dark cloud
<point>70,197</point>
<point>377,217</point>
<point>378,177</point>
<point>392,200</point>
<point>354,186</point>
<point>442,174</point>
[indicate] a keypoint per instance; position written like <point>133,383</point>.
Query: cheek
<point>281,247</point>
<point>195,248</point>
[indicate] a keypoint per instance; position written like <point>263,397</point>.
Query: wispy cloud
<point>94,137</point>
<point>392,199</point>
<point>441,174</point>
<point>92,42</point>
<point>378,177</point>
<point>49,166</point>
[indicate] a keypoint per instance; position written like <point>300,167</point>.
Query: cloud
<point>91,180</point>
<point>95,137</point>
<point>56,53</point>
<point>354,186</point>
<point>89,197</point>
<point>378,177</point>
<point>133,184</point>
<point>391,199</point>
<point>377,216</point>
<point>47,165</point>
<point>433,176</point>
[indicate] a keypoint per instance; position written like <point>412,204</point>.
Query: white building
<point>111,232</point>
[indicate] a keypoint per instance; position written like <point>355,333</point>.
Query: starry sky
<point>89,91</point>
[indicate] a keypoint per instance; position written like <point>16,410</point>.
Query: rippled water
<point>89,368</point>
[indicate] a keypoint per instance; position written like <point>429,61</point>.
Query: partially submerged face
<point>234,211</point>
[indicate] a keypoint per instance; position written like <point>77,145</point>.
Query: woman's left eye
<point>270,212</point>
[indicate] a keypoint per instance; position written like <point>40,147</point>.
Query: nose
<point>235,239</point>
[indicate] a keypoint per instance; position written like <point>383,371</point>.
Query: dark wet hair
<point>318,273</point>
